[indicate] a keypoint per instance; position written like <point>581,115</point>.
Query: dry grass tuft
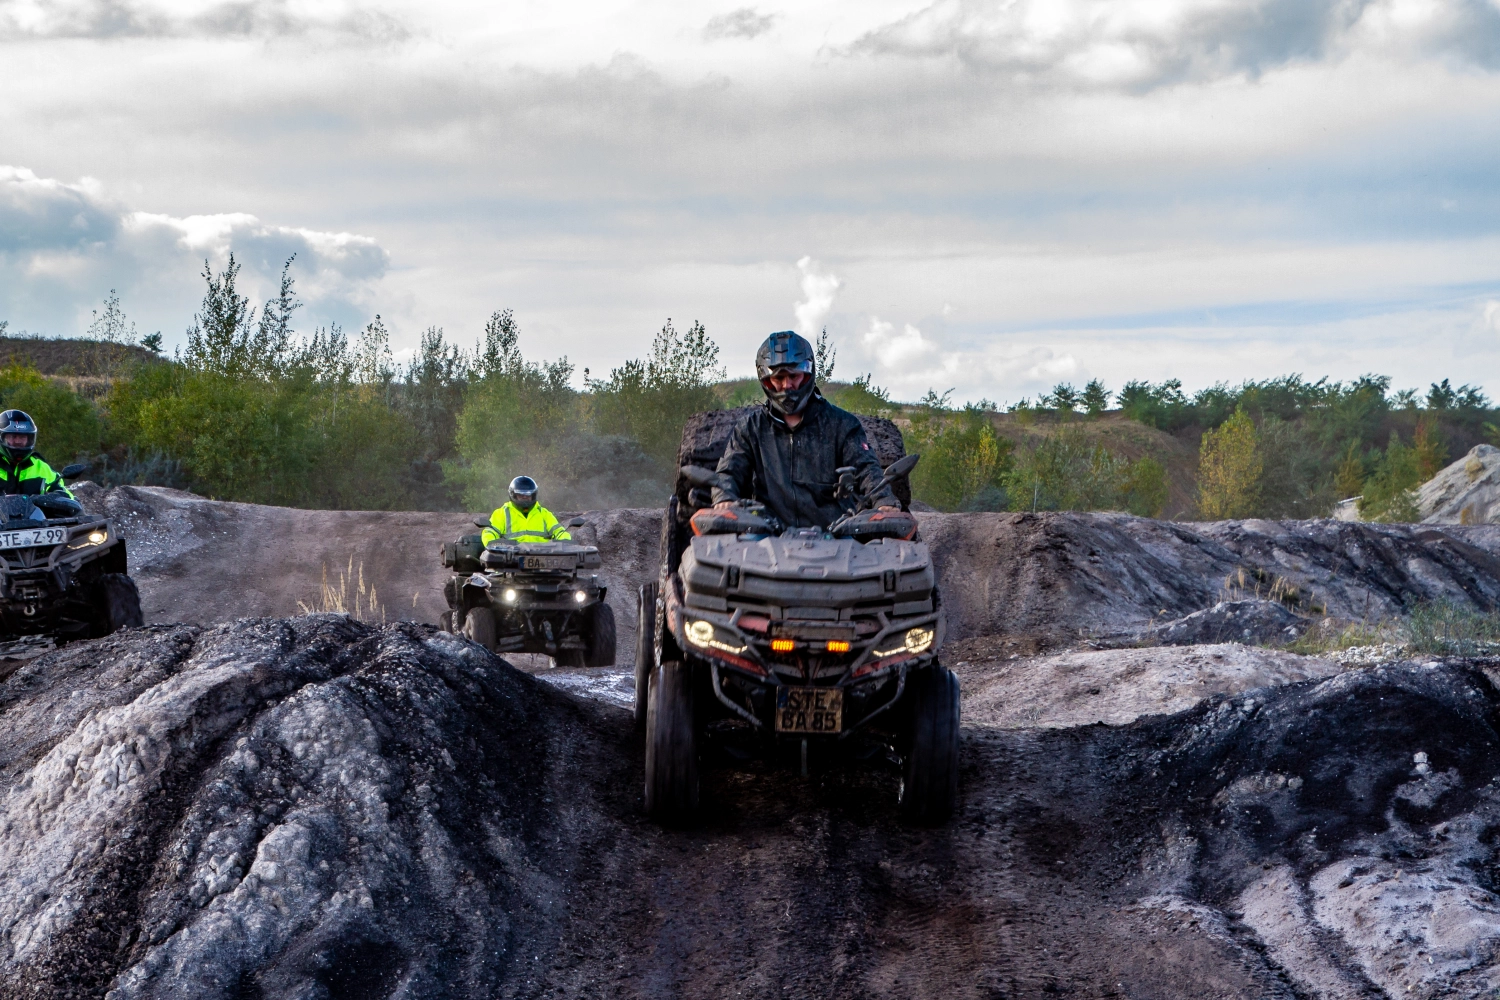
<point>335,597</point>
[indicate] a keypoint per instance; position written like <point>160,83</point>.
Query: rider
<point>21,469</point>
<point>522,519</point>
<point>786,453</point>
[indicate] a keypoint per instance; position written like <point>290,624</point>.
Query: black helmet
<point>523,493</point>
<point>18,422</point>
<point>786,351</point>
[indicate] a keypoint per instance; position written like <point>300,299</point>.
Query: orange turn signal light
<point>838,646</point>
<point>782,645</point>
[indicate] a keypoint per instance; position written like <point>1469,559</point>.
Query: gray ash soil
<point>319,808</point>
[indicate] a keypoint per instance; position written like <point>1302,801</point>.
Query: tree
<point>1095,398</point>
<point>1349,480</point>
<point>826,355</point>
<point>650,400</point>
<point>111,327</point>
<point>1229,468</point>
<point>152,342</point>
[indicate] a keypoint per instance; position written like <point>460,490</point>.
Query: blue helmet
<point>787,352</point>
<point>18,422</point>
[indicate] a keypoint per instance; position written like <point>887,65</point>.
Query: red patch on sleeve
<point>866,446</point>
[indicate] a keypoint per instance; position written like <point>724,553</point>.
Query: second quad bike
<point>63,572</point>
<point>784,640</point>
<point>530,597</point>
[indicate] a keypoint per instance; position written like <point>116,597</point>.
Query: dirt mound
<point>1466,492</point>
<point>1051,578</point>
<point>1066,576</point>
<point>319,808</point>
<point>1253,622</point>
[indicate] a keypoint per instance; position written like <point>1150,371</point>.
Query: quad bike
<point>63,572</point>
<point>530,597</point>
<point>774,641</point>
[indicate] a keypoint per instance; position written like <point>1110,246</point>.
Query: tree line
<point>250,410</point>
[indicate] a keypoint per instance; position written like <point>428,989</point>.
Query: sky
<point>992,196</point>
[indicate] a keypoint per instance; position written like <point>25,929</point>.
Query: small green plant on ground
<point>1447,628</point>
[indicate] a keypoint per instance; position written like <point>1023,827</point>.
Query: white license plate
<point>548,562</point>
<point>809,710</point>
<point>31,537</point>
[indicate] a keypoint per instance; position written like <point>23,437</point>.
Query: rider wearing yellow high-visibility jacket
<point>21,470</point>
<point>522,519</point>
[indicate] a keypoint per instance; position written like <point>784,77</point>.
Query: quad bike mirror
<point>483,522</point>
<point>699,476</point>
<point>577,522</point>
<point>900,467</point>
<point>76,469</point>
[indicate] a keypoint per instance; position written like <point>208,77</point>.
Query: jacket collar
<point>816,402</point>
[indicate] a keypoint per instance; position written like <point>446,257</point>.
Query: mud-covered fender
<point>474,590</point>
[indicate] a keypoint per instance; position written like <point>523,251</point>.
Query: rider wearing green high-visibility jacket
<point>522,519</point>
<point>21,469</point>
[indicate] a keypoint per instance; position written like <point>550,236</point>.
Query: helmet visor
<point>801,367</point>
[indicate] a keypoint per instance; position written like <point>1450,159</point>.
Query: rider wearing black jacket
<point>785,454</point>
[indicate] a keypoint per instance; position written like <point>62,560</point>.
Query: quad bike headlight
<point>580,596</point>
<point>703,634</point>
<point>97,537</point>
<point>917,640</point>
<point>509,595</point>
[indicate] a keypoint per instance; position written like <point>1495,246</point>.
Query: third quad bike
<point>531,597</point>
<point>776,639</point>
<point>62,571</point>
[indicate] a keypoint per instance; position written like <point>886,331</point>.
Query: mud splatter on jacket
<point>792,471</point>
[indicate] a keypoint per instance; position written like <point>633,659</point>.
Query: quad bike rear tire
<point>671,746</point>
<point>117,604</point>
<point>599,636</point>
<point>645,649</point>
<point>929,780</point>
<point>479,627</point>
<point>445,621</point>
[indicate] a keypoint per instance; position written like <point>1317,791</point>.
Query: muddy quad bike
<point>781,640</point>
<point>63,572</point>
<point>530,597</point>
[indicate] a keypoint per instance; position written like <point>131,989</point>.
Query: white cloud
<point>64,245</point>
<point>185,19</point>
<point>1148,43</point>
<point>746,22</point>
<point>819,289</point>
<point>1492,315</point>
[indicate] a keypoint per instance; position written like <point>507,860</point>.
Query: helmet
<point>786,351</point>
<point>523,493</point>
<point>18,422</point>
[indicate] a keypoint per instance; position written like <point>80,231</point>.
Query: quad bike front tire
<point>599,636</point>
<point>445,621</point>
<point>117,604</point>
<point>671,746</point>
<point>479,627</point>
<point>645,649</point>
<point>929,779</point>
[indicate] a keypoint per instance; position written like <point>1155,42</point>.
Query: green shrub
<point>1229,469</point>
<point>964,462</point>
<point>650,400</point>
<point>68,426</point>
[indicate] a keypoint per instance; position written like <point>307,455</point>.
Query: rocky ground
<point>319,807</point>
